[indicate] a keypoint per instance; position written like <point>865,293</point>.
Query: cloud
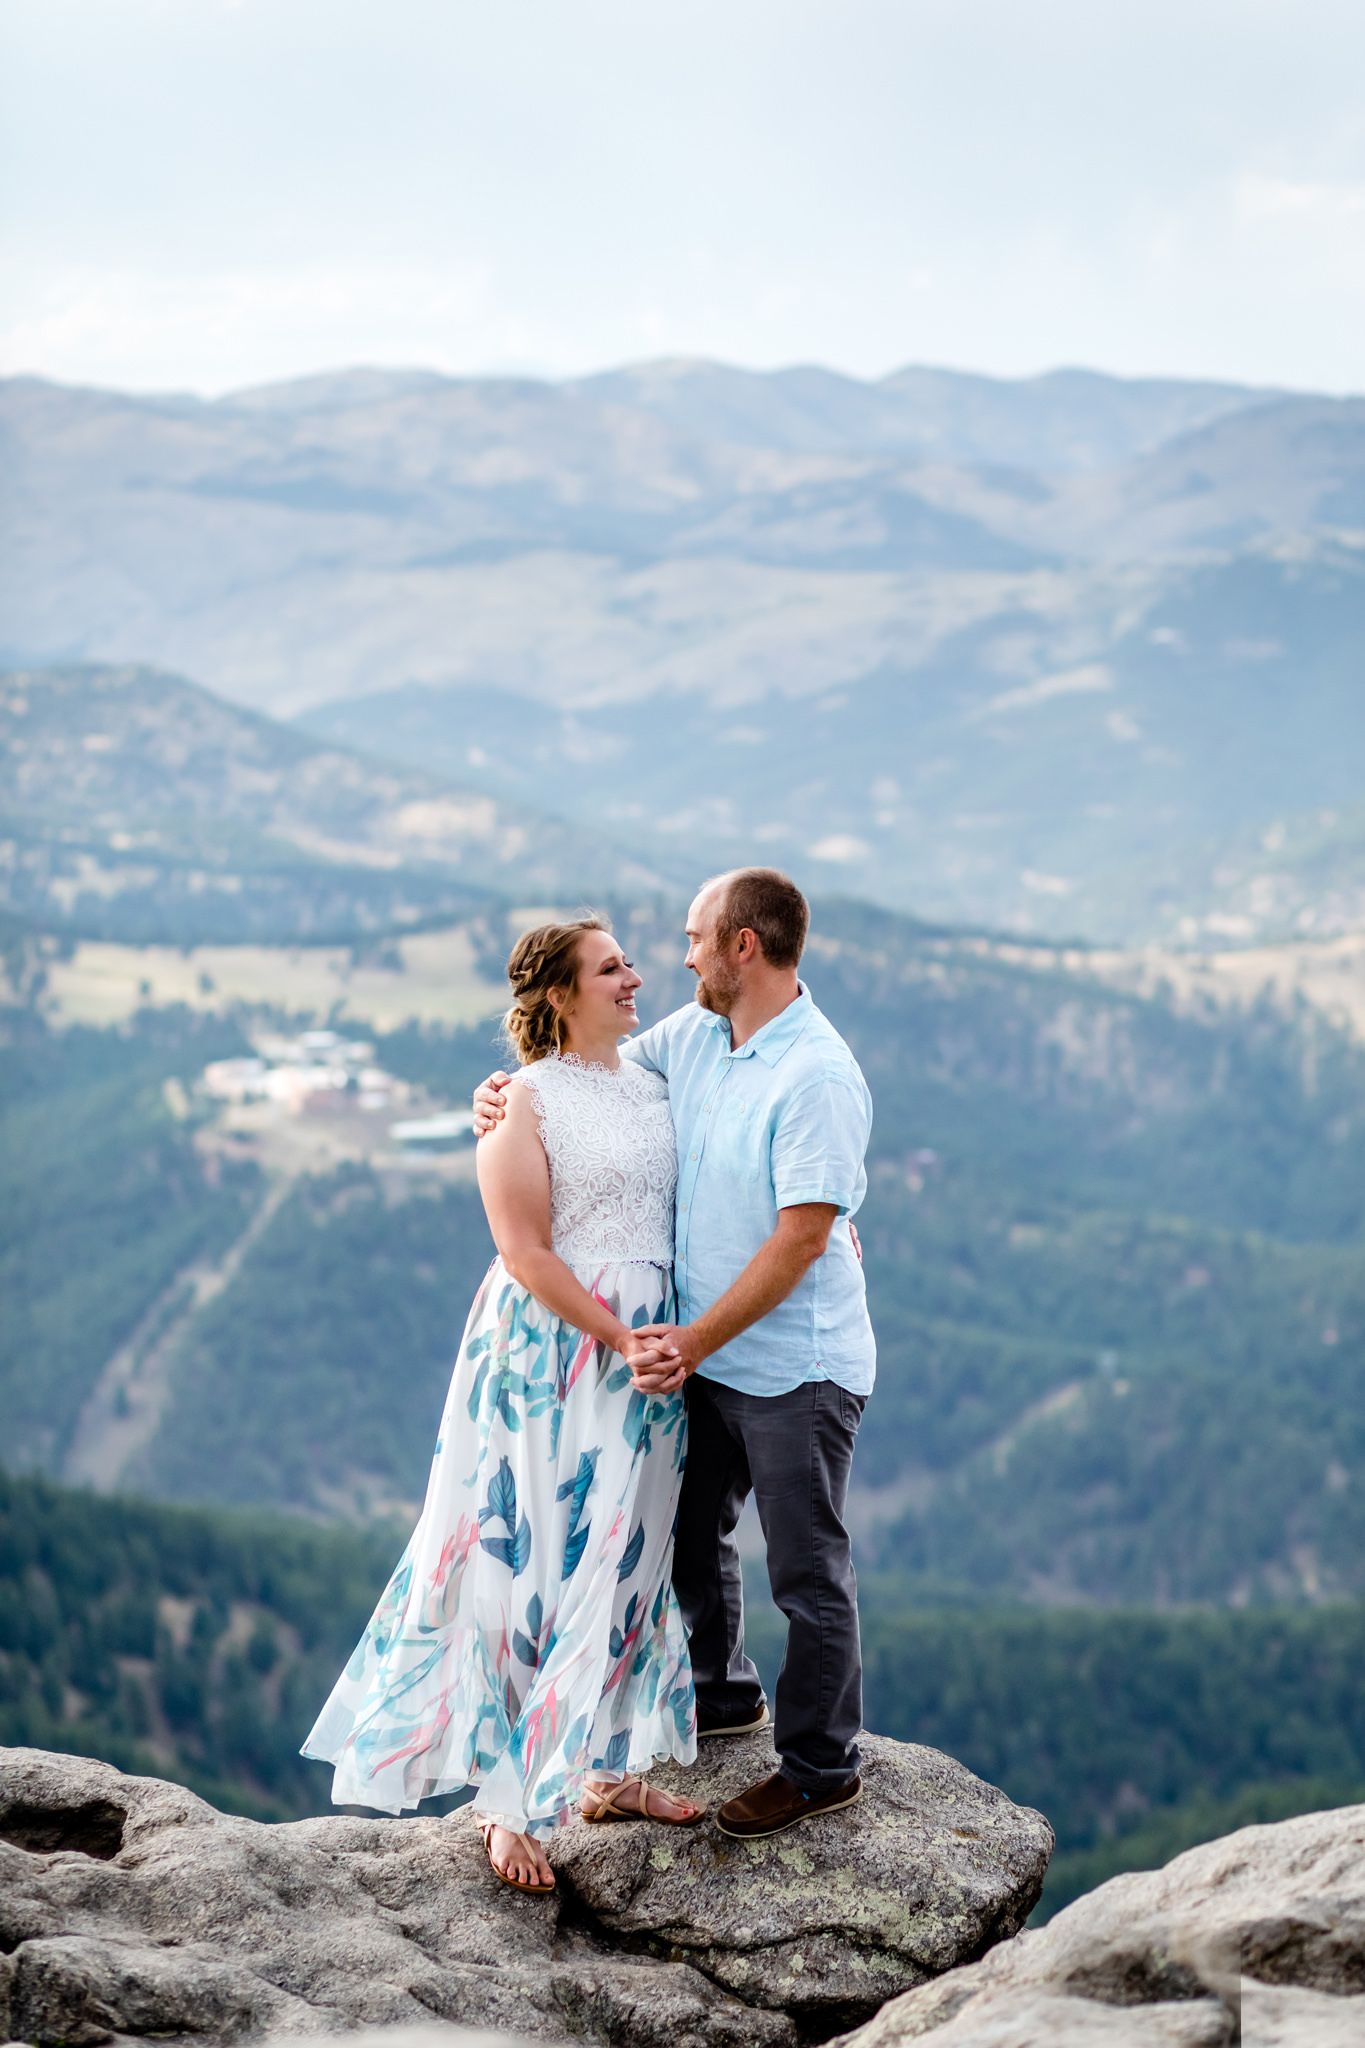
<point>840,847</point>
<point>1281,199</point>
<point>1072,682</point>
<point>1312,232</point>
<point>240,327</point>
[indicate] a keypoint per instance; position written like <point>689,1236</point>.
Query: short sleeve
<point>533,1083</point>
<point>649,1048</point>
<point>819,1144</point>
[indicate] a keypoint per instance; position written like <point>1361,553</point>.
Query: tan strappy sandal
<point>606,1808</point>
<point>485,1828</point>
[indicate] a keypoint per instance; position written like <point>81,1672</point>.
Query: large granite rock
<point>829,1920</point>
<point>1259,1938</point>
<point>128,1907</point>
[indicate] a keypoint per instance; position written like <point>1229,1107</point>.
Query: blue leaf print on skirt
<point>514,1551</point>
<point>511,1648</point>
<point>576,1491</point>
<point>621,1636</point>
<point>526,1648</point>
<point>632,1553</point>
<point>617,1751</point>
<point>501,1505</point>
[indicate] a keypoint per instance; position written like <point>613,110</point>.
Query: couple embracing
<point>676,1318</point>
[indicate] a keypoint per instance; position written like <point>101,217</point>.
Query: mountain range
<point>135,806</point>
<point>1056,654</point>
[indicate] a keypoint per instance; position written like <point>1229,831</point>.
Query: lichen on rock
<point>828,1920</point>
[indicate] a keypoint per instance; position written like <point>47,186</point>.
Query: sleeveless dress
<point>530,1635</point>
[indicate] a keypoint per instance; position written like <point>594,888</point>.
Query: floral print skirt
<point>530,1635</point>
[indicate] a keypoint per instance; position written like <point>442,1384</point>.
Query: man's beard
<point>720,1001</point>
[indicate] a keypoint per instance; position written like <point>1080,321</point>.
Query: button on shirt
<point>783,1120</point>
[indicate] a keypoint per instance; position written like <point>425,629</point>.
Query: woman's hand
<point>639,1349</point>
<point>654,1361</point>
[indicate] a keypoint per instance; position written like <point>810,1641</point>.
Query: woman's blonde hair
<point>541,960</point>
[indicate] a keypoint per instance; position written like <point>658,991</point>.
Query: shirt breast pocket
<point>741,1141</point>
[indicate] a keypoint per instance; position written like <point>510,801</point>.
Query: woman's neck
<point>594,1052</point>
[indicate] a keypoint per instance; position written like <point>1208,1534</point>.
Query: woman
<point>529,1642</point>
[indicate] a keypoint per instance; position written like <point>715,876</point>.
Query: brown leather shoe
<point>747,1721</point>
<point>776,1804</point>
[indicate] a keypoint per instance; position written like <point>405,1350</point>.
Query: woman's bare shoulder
<point>521,1121</point>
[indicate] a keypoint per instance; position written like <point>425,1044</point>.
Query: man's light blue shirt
<point>783,1120</point>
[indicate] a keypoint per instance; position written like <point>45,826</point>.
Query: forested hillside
<point>192,1645</point>
<point>104,1201</point>
<point>201,1645</point>
<point>1113,1253</point>
<point>1138,1734</point>
<point>317,1381</point>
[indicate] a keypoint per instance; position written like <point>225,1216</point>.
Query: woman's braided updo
<point>541,960</point>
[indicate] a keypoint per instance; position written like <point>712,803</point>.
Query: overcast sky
<point>202,194</point>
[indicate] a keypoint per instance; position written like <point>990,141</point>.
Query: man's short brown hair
<point>769,904</point>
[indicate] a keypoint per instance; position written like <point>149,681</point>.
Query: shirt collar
<point>779,1033</point>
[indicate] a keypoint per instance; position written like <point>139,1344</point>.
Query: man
<point>772,1118</point>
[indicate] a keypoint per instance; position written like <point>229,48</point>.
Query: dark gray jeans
<point>793,1452</point>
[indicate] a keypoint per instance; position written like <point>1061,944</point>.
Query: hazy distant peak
<point>1064,420</point>
<point>336,390</point>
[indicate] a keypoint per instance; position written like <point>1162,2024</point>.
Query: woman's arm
<point>514,1180</point>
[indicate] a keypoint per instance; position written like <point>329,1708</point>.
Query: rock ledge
<point>129,1907</point>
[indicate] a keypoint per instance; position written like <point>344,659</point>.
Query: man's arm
<point>490,1098</point>
<point>777,1266</point>
<point>817,1154</point>
<point>647,1049</point>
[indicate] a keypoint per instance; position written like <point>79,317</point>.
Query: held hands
<point>489,1106</point>
<point>680,1355</point>
<point>652,1355</point>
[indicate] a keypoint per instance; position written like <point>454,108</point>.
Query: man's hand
<point>652,1351</point>
<point>799,1240</point>
<point>681,1353</point>
<point>857,1241</point>
<point>489,1106</point>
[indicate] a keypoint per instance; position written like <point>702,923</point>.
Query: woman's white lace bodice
<point>613,1161</point>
